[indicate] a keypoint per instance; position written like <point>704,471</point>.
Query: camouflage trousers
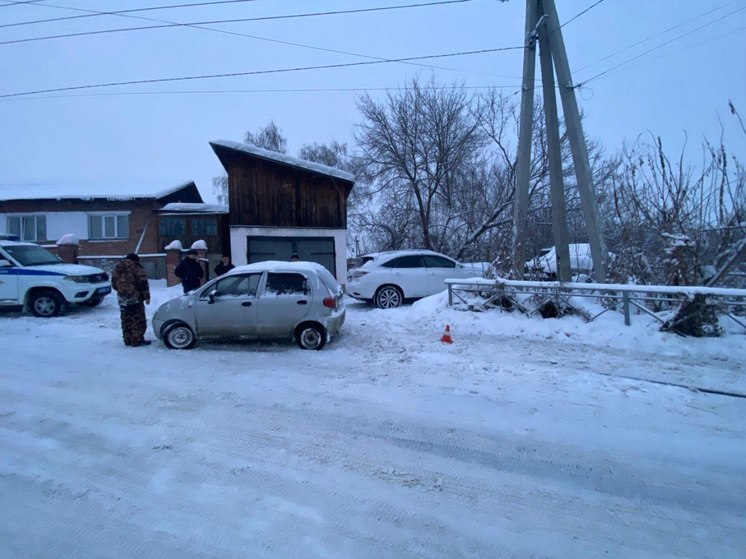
<point>134,323</point>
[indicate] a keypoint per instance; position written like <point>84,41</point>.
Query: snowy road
<point>508,443</point>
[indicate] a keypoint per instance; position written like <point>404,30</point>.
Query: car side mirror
<point>211,296</point>
<point>5,263</point>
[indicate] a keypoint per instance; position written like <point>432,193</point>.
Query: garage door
<point>312,249</point>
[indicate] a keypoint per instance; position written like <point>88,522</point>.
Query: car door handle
<point>302,302</point>
<point>246,304</point>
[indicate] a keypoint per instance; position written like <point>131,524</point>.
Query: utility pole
<point>554,149</point>
<point>523,165</point>
<point>577,141</point>
<point>543,13</point>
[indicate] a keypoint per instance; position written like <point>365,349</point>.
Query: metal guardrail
<point>484,294</point>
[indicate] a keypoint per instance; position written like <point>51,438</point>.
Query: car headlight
<point>92,278</point>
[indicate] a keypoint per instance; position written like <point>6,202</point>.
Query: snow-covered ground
<point>524,438</point>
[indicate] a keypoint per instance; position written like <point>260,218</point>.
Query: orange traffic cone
<point>446,337</point>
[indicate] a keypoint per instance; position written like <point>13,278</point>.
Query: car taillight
<point>330,302</point>
<point>356,274</point>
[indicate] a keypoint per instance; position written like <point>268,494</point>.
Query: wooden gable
<point>282,192</point>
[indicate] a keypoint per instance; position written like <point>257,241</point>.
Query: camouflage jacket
<point>130,282</point>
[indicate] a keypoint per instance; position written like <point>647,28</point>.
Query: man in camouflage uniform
<point>130,282</point>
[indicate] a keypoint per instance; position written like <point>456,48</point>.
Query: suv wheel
<point>388,297</point>
<point>45,303</point>
<point>310,336</point>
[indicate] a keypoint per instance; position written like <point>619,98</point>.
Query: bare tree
<point>415,147</point>
<point>677,223</point>
<point>492,220</point>
<point>220,188</point>
<point>268,137</point>
<point>440,168</point>
<point>332,155</point>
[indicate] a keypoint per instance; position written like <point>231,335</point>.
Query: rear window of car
<point>432,261</point>
<point>329,281</point>
<point>280,283</point>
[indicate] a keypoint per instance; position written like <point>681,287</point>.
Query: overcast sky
<point>667,66</point>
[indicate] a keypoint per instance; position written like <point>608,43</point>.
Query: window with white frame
<point>28,227</point>
<point>108,226</point>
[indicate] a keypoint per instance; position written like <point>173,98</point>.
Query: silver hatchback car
<point>267,300</point>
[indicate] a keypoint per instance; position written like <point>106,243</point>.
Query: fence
<point>154,264</point>
<point>499,293</point>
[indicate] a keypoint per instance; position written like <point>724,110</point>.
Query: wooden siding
<point>262,193</point>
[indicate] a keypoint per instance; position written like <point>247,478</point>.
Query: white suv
<point>33,277</point>
<point>387,279</point>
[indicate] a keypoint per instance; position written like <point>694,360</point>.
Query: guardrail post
<point>625,305</point>
<point>450,295</point>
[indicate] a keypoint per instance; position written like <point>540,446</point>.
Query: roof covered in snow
<point>106,190</point>
<point>283,159</point>
<point>180,207</point>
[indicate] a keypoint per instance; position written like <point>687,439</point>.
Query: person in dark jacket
<point>224,266</point>
<point>130,281</point>
<point>190,271</point>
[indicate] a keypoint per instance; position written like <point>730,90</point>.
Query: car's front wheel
<point>310,336</point>
<point>179,336</point>
<point>388,297</point>
<point>46,303</point>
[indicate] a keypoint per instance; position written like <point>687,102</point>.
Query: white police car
<point>33,277</point>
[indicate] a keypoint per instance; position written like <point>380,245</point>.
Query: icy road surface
<point>525,438</point>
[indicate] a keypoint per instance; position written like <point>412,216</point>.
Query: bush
<point>696,317</point>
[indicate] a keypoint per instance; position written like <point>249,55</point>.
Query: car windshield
<point>31,255</point>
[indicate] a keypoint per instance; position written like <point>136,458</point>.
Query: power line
<point>271,90</point>
<point>223,21</point>
<point>665,54</point>
<point>93,13</point>
<point>301,45</point>
<point>374,60</point>
<point>166,23</point>
<point>10,3</point>
<point>659,47</point>
<point>256,72</point>
<point>638,43</point>
<point>589,8</point>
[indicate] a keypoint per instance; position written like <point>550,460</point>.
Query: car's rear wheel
<point>388,297</point>
<point>46,303</point>
<point>310,336</point>
<point>179,336</point>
